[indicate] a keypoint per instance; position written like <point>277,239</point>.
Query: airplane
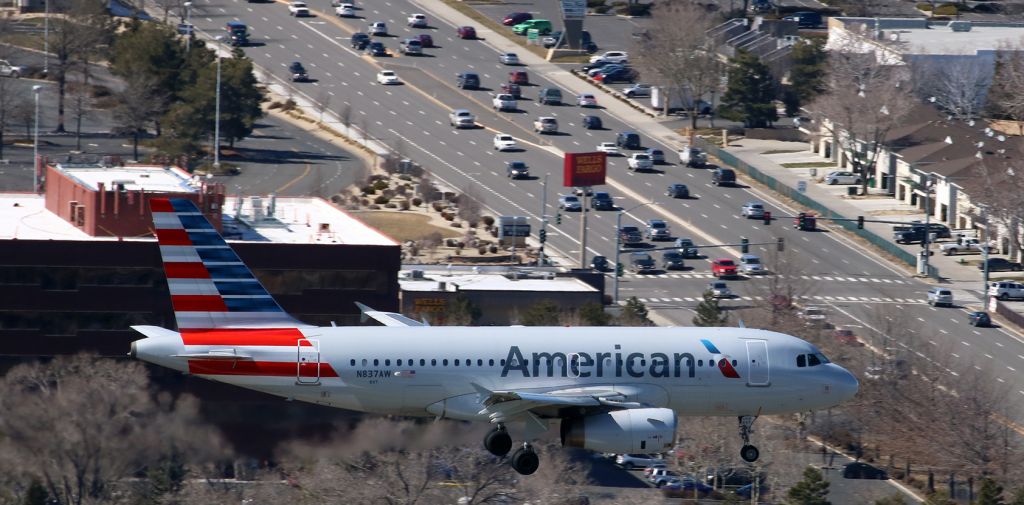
<point>607,389</point>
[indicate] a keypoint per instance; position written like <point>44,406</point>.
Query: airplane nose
<point>846,384</point>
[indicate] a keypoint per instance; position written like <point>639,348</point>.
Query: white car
<point>378,28</point>
<point>504,142</point>
<point>509,59</point>
<point>504,101</point>
<point>586,100</point>
<point>1004,290</point>
<point>631,461</point>
<point>719,289</point>
<point>387,77</point>
<point>345,10</point>
<point>813,315</point>
<point>839,177</point>
<point>608,147</point>
<point>640,161</point>
<point>298,9</point>
<point>612,56</point>
<point>418,21</point>
<point>9,70</point>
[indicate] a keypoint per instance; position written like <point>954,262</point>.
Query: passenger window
<point>480,362</point>
<point>423,362</point>
<point>444,362</point>
<point>376,362</point>
<point>700,362</point>
<point>812,360</point>
<point>387,362</point>
<point>433,362</point>
<point>352,363</point>
<point>364,361</point>
<point>490,362</point>
<point>801,361</point>
<point>399,363</point>
<point>502,362</point>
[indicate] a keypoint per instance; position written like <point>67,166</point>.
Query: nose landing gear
<point>748,452</point>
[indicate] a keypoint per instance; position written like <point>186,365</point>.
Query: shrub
<point>364,202</point>
<point>924,6</point>
<point>416,202</point>
<point>493,249</point>
<point>450,242</point>
<point>380,185</point>
<point>368,190</point>
<point>437,206</point>
<point>488,221</point>
<point>945,10</point>
<point>391,206</point>
<point>373,207</point>
<point>381,200</point>
<point>337,199</point>
<point>461,245</point>
<point>405,205</point>
<point>481,250</point>
<point>388,193</point>
<point>405,177</point>
<point>602,9</point>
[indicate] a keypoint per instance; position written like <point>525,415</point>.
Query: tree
<point>959,87</point>
<point>154,51</point>
<point>136,107</point>
<point>806,77</point>
<point>991,492</point>
<point>1018,497</point>
<point>1006,96</point>
<point>750,94</point>
<point>81,106</point>
<point>593,314</point>
<point>542,313</point>
<point>708,312</point>
<point>634,313</point>
<point>462,312</point>
<point>11,99</point>
<point>813,490</point>
<point>470,206</point>
<point>74,37</point>
<point>240,98</point>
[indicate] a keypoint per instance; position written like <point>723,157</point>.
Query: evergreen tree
<point>813,490</point>
<point>634,313</point>
<point>709,313</point>
<point>750,94</point>
<point>542,313</point>
<point>36,494</point>
<point>593,314</point>
<point>462,312</point>
<point>991,492</point>
<point>806,77</point>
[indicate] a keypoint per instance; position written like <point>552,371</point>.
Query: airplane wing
<point>388,318</point>
<point>503,405</point>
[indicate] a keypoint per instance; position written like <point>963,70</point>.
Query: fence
<point>823,211</point>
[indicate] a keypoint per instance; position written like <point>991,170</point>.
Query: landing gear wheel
<point>498,442</point>
<point>749,453</point>
<point>525,460</point>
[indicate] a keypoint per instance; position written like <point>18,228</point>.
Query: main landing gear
<point>748,452</point>
<point>524,460</point>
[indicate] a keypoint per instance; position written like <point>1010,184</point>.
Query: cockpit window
<point>801,361</point>
<point>814,359</point>
<point>822,358</point>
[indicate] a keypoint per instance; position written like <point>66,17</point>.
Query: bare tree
<point>470,206</point>
<point>1006,97</point>
<point>73,38</point>
<point>11,99</point>
<point>959,88</point>
<point>168,6</point>
<point>323,104</point>
<point>136,108</point>
<point>80,106</point>
<point>346,117</point>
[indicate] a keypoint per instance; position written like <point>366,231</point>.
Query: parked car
<point>840,177</point>
<point>597,68</point>
<point>569,203</point>
<point>462,118</point>
<point>517,170</point>
<point>378,29</point>
<point>549,96</point>
<point>687,248</point>
<point>677,191</point>
<point>596,65</point>
<point>1004,290</point>
<point>515,18</point>
<point>504,142</point>
<point>813,315</point>
<point>860,470</point>
<point>298,9</point>
<point>661,476</point>
<point>543,27</point>
<point>602,201</point>
<point>466,32</point>
<point>673,260</point>
<point>592,123</point>
<point>612,56</point>
<point>1000,265</point>
<point>685,488</point>
<point>846,336</point>
<point>637,90</point>
<point>417,21</point>
<point>640,161</point>
<point>979,319</point>
<point>298,72</point>
<point>719,289</point>
<point>555,39</point>
<point>940,296</point>
<point>750,264</point>
<point>599,263</point>
<point>628,140</point>
<point>753,210</point>
<point>630,236</point>
<point>586,100</point>
<point>616,75</point>
<point>657,229</point>
<point>966,244</point>
<point>631,461</point>
<point>513,89</point>
<point>657,155</point>
<point>610,148</point>
<point>519,77</point>
<point>805,19</point>
<point>694,157</point>
<point>748,490</point>
<point>359,40</point>
<point>545,124</point>
<point>723,267</point>
<point>723,177</point>
<point>387,77</point>
<point>509,59</point>
<point>642,263</point>
<point>467,80</point>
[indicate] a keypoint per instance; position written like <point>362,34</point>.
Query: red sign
<point>585,169</point>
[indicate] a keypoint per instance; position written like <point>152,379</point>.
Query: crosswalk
<point>817,298</point>
<point>831,278</point>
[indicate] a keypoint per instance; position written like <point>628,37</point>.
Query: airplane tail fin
<point>210,286</point>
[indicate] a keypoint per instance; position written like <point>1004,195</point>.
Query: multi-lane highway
<point>414,118</point>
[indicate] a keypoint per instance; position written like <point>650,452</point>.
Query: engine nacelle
<point>622,431</point>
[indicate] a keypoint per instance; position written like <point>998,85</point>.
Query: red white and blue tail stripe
<point>210,286</point>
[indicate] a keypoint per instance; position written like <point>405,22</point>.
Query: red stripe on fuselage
<point>198,303</point>
<point>257,368</point>
<point>240,337</point>
<point>160,205</point>
<point>727,369</point>
<point>168,236</point>
<point>183,270</point>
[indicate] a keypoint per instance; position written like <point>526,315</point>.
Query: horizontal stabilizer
<point>156,332</point>
<point>387,318</point>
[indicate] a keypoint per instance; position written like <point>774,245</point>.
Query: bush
<point>364,202</point>
<point>461,245</point>
<point>481,250</point>
<point>337,199</point>
<point>488,221</point>
<point>405,205</point>
<point>391,206</point>
<point>416,202</point>
<point>381,200</point>
<point>405,177</point>
<point>945,10</point>
<point>450,242</point>
<point>493,249</point>
<point>437,206</point>
<point>368,190</point>
<point>373,207</point>
<point>924,7</point>
<point>380,185</point>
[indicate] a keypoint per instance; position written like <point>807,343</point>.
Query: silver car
<point>637,90</point>
<point>840,177</point>
<point>939,297</point>
<point>569,203</point>
<point>753,210</point>
<point>750,264</point>
<point>509,59</point>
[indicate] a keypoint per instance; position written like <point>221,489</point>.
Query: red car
<point>425,40</point>
<point>519,77</point>
<point>846,336</point>
<point>467,32</point>
<point>723,267</point>
<point>515,18</point>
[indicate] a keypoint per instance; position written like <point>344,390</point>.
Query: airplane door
<point>307,362</point>
<point>757,363</point>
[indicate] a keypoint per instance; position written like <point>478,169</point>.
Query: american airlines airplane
<point>608,389</point>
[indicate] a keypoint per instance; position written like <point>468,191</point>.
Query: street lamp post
<point>46,37</point>
<point>216,116</point>
<point>35,143</point>
<point>618,246</point>
<point>188,21</point>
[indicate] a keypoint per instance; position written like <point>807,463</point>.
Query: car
<point>411,47</point>
<point>509,59</point>
<point>750,264</point>
<point>609,148</point>
<point>586,100</point>
<point>545,124</point>
<point>918,228</point>
<point>687,248</point>
<point>761,6</point>
<point>631,461</point>
<point>387,77</point>
<point>378,29</point>
<point>628,140</point>
<point>723,267</point>
<point>515,18</point>
<point>503,102</point>
<point>660,476</point>
<point>519,77</point>
<point>685,487</point>
<point>417,21</point>
<point>376,49</point>
<point>693,157</point>
<point>602,200</point>
<point>846,336</point>
<point>1005,290</point>
<point>542,26</point>
<point>657,155</point>
<point>723,177</point>
<point>965,243</point>
<point>297,72</point>
<point>298,9</point>
<point>637,90</point>
<point>748,490</point>
<point>426,40</point>
<point>640,161</point>
<point>549,96</point>
<point>599,263</point>
<point>840,177</point>
<point>861,470</point>
<point>813,315</point>
<point>604,67</point>
<point>467,80</point>
<point>462,118</point>
<point>940,297</point>
<point>616,75</point>
<point>719,289</point>
<point>569,203</point>
<point>359,40</point>
<point>630,236</point>
<point>592,123</point>
<point>555,39</point>
<point>642,263</point>
<point>677,190</point>
<point>511,88</point>
<point>182,28</point>
<point>612,56</point>
<point>504,142</point>
<point>657,229</point>
<point>238,33</point>
<point>597,65</point>
<point>1000,265</point>
<point>979,319</point>
<point>8,69</point>
<point>672,260</point>
<point>466,32</point>
<point>345,10</point>
<point>652,468</point>
<point>517,170</point>
<point>752,210</point>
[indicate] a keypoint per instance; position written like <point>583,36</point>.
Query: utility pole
<point>216,123</point>
<point>188,21</point>
<point>928,184</point>
<point>583,227</point>
<point>543,218</point>
<point>46,38</point>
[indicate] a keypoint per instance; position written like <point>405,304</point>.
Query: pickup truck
<point>965,244</point>
<point>630,236</point>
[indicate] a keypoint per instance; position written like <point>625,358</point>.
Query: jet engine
<point>621,431</point>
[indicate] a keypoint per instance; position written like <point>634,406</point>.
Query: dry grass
<point>809,164</point>
<point>403,226</point>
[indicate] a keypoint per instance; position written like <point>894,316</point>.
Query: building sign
<point>430,305</point>
<point>574,9</point>
<point>585,169</point>
<point>512,227</point>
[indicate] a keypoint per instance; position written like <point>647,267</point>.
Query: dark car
<point>596,64</point>
<point>617,75</point>
<point>517,170</point>
<point>642,263</point>
<point>746,491</point>
<point>686,247</point>
<point>1000,265</point>
<point>466,32</point>
<point>519,77</point>
<point>628,140</point>
<point>515,18</point>
<point>592,123</point>
<point>586,42</point>
<point>238,33</point>
<point>468,80</point>
<point>860,470</point>
<point>631,236</point>
<point>360,40</point>
<point>513,89</point>
<point>979,319</point>
<point>376,49</point>
<point>938,229</point>
<point>677,191</point>
<point>723,177</point>
<point>426,40</point>
<point>599,263</point>
<point>298,72</point>
<point>672,260</point>
<point>602,201</point>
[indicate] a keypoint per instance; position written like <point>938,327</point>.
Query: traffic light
<point>860,222</point>
<point>618,270</point>
<point>543,236</point>
<point>780,245</point>
<point>767,218</point>
<point>558,218</point>
<point>744,245</point>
